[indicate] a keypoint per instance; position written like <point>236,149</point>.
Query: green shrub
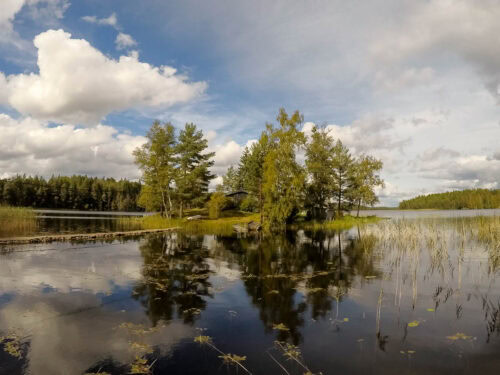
<point>249,204</point>
<point>216,204</point>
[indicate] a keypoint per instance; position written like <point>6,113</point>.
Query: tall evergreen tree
<point>319,160</point>
<point>251,168</point>
<point>342,172</point>
<point>231,181</point>
<point>193,175</point>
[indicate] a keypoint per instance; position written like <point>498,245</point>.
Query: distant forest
<point>75,192</point>
<point>477,198</point>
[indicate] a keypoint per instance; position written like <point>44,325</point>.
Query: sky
<point>414,83</point>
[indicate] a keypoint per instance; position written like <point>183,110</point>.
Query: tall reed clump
<point>16,221</point>
<point>345,222</point>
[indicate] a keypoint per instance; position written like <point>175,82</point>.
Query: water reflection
<point>414,296</point>
<point>175,280</point>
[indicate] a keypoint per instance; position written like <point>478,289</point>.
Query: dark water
<point>414,298</point>
<point>68,221</point>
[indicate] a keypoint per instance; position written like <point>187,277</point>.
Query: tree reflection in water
<point>175,277</point>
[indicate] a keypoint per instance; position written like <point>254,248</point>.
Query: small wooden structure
<point>252,226</point>
<point>237,196</point>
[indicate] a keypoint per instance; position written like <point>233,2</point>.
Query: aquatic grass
<point>9,212</point>
<point>16,220</point>
<point>345,222</point>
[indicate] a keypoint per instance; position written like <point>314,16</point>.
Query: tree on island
<point>193,172</point>
<point>157,160</point>
<point>176,172</point>
<point>365,178</point>
<point>284,178</point>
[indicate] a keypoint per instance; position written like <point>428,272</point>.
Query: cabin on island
<point>237,196</point>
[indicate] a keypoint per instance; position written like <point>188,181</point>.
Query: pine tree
<point>319,160</point>
<point>342,172</point>
<point>193,175</point>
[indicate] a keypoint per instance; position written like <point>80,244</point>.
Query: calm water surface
<point>69,221</point>
<point>415,298</point>
<point>414,214</point>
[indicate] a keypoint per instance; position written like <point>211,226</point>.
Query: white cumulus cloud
<point>79,84</point>
<point>35,148</point>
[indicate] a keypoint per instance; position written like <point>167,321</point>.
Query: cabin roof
<point>236,193</point>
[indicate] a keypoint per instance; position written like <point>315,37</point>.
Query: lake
<point>412,296</point>
<point>69,221</point>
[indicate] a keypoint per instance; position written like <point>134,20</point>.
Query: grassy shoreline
<point>224,225</point>
<point>8,212</point>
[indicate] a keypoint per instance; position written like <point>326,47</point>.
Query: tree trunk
<point>359,204</point>
<point>170,204</point>
<point>181,212</point>
<point>163,203</point>
<point>260,203</point>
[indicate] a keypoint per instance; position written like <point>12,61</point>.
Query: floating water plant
<point>280,327</point>
<point>12,345</point>
<point>230,359</point>
<point>459,336</point>
<point>414,323</point>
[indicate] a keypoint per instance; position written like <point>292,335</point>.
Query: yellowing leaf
<point>415,323</point>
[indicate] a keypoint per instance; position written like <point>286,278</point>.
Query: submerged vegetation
<point>463,199</point>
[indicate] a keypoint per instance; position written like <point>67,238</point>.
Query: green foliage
<point>471,199</point>
<point>74,192</point>
<point>157,161</point>
<point>365,178</point>
<point>319,159</point>
<point>249,204</point>
<point>283,178</point>
<point>342,171</point>
<point>193,175</point>
<point>216,204</point>
<point>251,168</point>
<point>231,181</point>
<point>175,171</point>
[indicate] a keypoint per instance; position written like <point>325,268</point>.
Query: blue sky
<point>413,83</point>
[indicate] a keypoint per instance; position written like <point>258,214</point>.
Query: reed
<point>9,213</point>
<point>16,221</point>
<point>345,222</point>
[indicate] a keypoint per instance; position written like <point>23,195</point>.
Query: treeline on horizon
<point>462,199</point>
<point>70,192</point>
